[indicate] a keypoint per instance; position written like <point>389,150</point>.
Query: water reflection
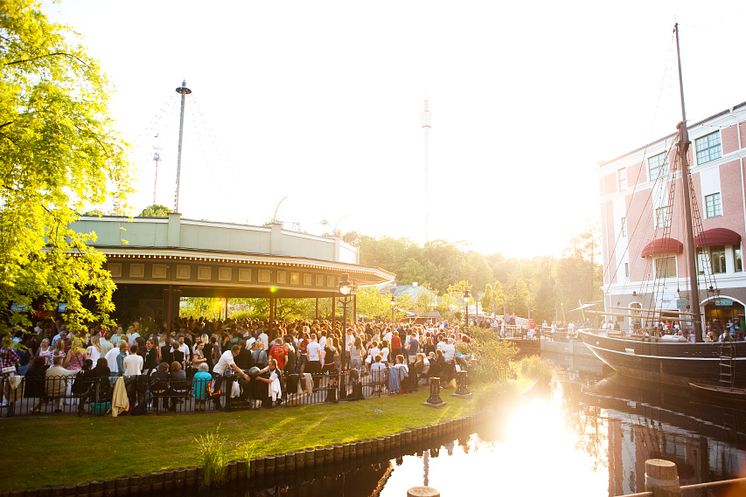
<point>580,437</point>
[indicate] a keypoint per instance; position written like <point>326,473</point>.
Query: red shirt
<point>396,342</point>
<point>280,354</point>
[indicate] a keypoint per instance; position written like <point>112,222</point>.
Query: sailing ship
<point>689,358</point>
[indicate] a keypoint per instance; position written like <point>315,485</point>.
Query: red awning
<point>663,246</point>
<point>717,236</point>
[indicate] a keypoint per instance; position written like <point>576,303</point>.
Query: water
<point>584,436</point>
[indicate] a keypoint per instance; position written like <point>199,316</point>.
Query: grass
<point>67,450</point>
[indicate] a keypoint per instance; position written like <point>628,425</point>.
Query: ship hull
<point>670,363</point>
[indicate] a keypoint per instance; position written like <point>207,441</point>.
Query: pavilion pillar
<point>170,306</point>
<point>354,309</point>
<point>317,308</point>
<point>271,307</point>
<point>334,311</point>
<point>226,308</point>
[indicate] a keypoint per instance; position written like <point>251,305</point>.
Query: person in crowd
<point>412,347</point>
<point>396,344</point>
<point>111,357</point>
<point>45,351</point>
<point>95,351</point>
<point>123,352</point>
<point>291,362</point>
<point>227,364</point>
<point>9,358</point>
<point>35,384</point>
<point>244,359</point>
<point>180,352</point>
<point>279,353</point>
<point>160,385</point>
<point>398,374</point>
<point>199,386</point>
<point>56,382</point>
<point>132,363</point>
<point>314,359</point>
<point>259,355</point>
<point>378,373</point>
<point>356,354</point>
<point>83,383</point>
<point>198,355</point>
<point>150,359</point>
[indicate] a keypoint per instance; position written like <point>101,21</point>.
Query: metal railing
<point>152,394</point>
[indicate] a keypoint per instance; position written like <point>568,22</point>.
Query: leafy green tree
<point>517,296</point>
<point>373,304</point>
<point>57,154</point>
<point>155,210</point>
<point>493,298</point>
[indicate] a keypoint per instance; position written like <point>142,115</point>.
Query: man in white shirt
<point>111,357</point>
<point>225,364</point>
<point>133,363</point>
<point>314,359</point>
<point>264,338</point>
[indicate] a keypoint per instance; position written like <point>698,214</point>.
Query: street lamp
<point>393,307</point>
<point>347,289</point>
<point>467,294</point>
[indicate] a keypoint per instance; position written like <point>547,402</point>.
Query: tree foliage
<point>155,210</point>
<point>57,156</point>
<point>547,285</point>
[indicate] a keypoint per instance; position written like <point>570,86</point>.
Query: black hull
<point>670,363</point>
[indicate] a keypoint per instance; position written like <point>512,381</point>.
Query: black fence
<point>23,396</point>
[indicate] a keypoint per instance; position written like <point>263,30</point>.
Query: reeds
<point>211,447</point>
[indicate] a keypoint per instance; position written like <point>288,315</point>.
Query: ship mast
<point>691,254</point>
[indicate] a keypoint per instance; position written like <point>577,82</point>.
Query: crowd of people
<point>214,361</point>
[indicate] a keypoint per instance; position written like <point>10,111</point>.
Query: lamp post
<point>347,289</point>
<point>393,307</point>
<point>467,294</point>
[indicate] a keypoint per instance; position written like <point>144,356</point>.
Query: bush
<point>534,368</point>
<point>211,447</point>
<point>491,357</point>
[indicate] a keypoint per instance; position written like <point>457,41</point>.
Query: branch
<point>6,124</point>
<point>53,54</point>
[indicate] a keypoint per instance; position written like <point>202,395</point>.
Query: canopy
<point>662,246</point>
<point>717,236</point>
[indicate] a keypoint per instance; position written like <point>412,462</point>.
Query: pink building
<point>642,226</point>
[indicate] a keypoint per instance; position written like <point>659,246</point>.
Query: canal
<point>587,434</point>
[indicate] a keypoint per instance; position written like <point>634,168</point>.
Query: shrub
<point>211,447</point>
<point>491,357</point>
<point>534,368</point>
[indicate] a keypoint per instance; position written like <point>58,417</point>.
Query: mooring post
<point>422,492</point>
<point>461,388</point>
<point>434,400</point>
<point>662,478</point>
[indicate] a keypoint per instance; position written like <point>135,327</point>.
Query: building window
<point>626,269</point>
<point>663,217</point>
<point>708,148</point>
<point>665,267</point>
<point>713,206</point>
<point>658,166</point>
<point>621,175</point>
<point>738,259</point>
<point>717,259</point>
<point>623,222</point>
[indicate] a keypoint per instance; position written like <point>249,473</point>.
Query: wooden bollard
<point>134,485</point>
<point>300,460</point>
<point>81,490</point>
<point>328,455</point>
<point>338,454</point>
<point>387,444</point>
<point>290,460</point>
<point>260,466</point>
<point>231,471</point>
<point>96,490</point>
<point>380,445</point>
<point>242,466</point>
<point>68,491</point>
<point>353,452</point>
<point>422,492</point>
<point>60,491</point>
<point>168,481</point>
<point>156,483</point>
<point>252,468</point>
<point>346,450</point>
<point>662,478</point>
<point>310,458</point>
<point>280,463</point>
<point>122,486</point>
<point>368,448</point>
<point>180,476</point>
<point>47,492</point>
<point>191,477</point>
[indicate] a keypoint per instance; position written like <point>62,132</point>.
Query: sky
<point>319,103</point>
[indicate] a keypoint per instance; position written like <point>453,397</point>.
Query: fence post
<point>662,478</point>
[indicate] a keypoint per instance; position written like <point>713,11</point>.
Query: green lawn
<point>66,450</point>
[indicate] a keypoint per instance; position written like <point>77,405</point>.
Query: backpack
<point>213,388</point>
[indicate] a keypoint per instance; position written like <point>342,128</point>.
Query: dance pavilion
<point>156,261</point>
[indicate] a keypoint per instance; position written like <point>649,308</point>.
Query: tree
<point>58,154</point>
<point>155,210</point>
<point>493,299</point>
